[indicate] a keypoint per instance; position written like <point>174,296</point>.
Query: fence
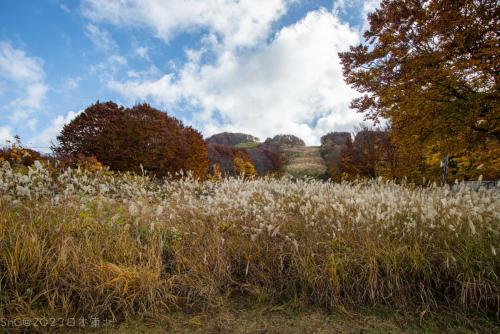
<point>481,184</point>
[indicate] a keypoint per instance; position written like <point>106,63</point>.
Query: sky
<point>262,67</point>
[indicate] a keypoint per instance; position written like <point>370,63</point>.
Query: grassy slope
<point>250,144</point>
<point>304,161</point>
<point>299,161</point>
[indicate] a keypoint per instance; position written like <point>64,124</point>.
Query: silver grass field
<point>117,245</point>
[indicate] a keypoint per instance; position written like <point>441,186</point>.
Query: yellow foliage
<point>467,164</point>
<point>215,173</point>
<point>244,167</point>
<point>18,156</point>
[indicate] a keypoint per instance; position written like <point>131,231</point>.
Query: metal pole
<point>444,170</point>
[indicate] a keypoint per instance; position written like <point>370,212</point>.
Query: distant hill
<point>231,139</point>
<point>279,142</point>
<point>335,138</point>
<point>298,159</point>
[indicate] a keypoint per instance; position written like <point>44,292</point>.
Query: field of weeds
<point>114,246</point>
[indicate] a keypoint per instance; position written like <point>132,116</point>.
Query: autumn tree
<point>127,138</point>
<point>18,155</point>
<point>371,154</point>
<point>229,161</point>
<point>220,159</point>
<point>244,166</point>
<point>266,162</point>
<point>386,156</point>
<point>331,146</point>
<point>430,67</point>
<point>347,164</point>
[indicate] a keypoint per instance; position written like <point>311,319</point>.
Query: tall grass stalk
<point>115,245</point>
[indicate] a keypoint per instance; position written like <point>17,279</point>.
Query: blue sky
<point>258,66</point>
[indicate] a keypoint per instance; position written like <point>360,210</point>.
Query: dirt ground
<point>278,321</point>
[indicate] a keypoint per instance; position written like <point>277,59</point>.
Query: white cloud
<point>17,67</point>
<point>142,52</point>
<point>27,76</point>
<point>32,123</point>
<point>47,136</point>
<point>117,60</point>
<point>293,84</point>
<point>35,95</point>
<point>107,68</point>
<point>32,100</point>
<point>100,38</point>
<point>71,83</point>
<point>354,6</point>
<point>236,22</point>
<point>162,90</point>
<point>5,135</point>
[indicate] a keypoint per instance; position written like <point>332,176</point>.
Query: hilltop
<point>298,159</point>
<point>231,138</point>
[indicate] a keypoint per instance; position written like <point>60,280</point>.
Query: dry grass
<point>115,246</point>
<point>304,161</point>
<point>279,320</point>
<point>250,144</point>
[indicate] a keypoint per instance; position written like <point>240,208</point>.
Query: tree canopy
<point>231,138</point>
<point>127,138</point>
<point>431,67</point>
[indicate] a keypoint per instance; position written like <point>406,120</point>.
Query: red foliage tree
<point>126,138</point>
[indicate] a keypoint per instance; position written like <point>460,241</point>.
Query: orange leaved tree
<point>430,67</point>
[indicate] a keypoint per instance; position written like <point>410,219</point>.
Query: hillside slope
<point>302,161</point>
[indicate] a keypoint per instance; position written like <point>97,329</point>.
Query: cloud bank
<point>238,23</point>
<point>256,82</point>
<point>243,69</point>
<point>22,77</point>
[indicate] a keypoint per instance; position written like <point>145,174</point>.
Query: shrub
<point>17,155</point>
<point>89,163</point>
